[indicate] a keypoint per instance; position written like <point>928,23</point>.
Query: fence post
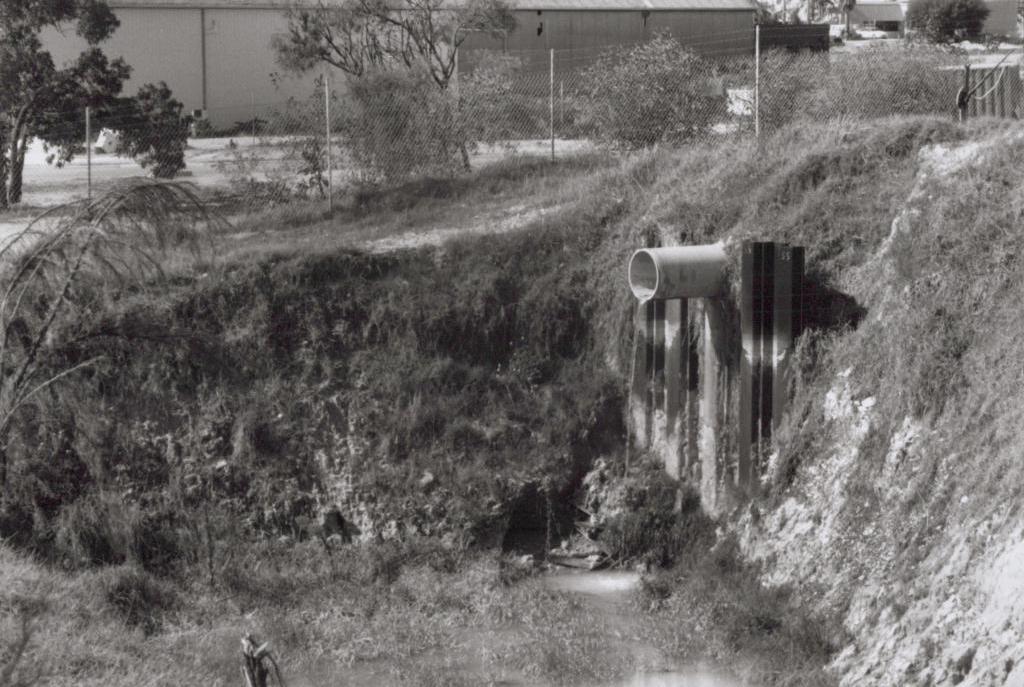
<point>327,121</point>
<point>757,81</point>
<point>963,96</point>
<point>551,101</point>
<point>88,152</point>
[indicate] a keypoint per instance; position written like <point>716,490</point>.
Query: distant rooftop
<point>633,4</point>
<point>517,4</point>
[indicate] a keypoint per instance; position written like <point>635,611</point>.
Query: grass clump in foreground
<point>391,614</point>
<point>397,613</point>
<point>710,607</point>
<point>700,603</point>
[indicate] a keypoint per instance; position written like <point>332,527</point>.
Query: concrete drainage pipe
<point>678,272</point>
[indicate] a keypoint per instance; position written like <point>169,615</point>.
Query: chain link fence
<point>393,127</point>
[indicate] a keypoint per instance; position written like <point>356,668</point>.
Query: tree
<point>358,36</point>
<point>420,38</point>
<point>154,131</point>
<point>37,98</point>
<point>945,21</point>
<point>659,91</point>
<point>40,100</point>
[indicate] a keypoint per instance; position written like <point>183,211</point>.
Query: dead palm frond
<point>117,240</point>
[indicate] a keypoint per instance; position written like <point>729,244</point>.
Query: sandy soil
<point>205,159</point>
<point>609,592</point>
<point>209,164</point>
<point>502,221</point>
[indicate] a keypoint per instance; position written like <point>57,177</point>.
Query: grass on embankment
<point>505,194</point>
<point>230,405</point>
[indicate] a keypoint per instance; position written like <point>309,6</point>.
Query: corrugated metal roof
<point>747,5</point>
<point>202,4</point>
<point>634,4</point>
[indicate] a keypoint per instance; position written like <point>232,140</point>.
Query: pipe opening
<point>677,272</point>
<point>643,276</point>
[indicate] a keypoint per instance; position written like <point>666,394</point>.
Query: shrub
<point>251,180</point>
<point>95,530</point>
<point>156,132</point>
<point>402,124</point>
<point>654,92</point>
<point>885,83</point>
<point>101,529</point>
<point>945,21</point>
<point>495,109</point>
<point>139,599</point>
<point>651,527</point>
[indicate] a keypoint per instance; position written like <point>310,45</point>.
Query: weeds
<point>723,610</point>
<point>656,521</point>
<point>138,598</point>
<point>23,615</point>
<point>238,401</point>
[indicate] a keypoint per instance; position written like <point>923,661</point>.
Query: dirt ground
<point>210,164</point>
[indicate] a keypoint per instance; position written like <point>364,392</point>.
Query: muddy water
<point>608,592</point>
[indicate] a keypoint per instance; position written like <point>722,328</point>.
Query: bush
<point>101,529</point>
<point>654,92</point>
<point>97,529</point>
<point>652,528</point>
<point>495,110</point>
<point>945,21</point>
<point>297,167</point>
<point>401,124</point>
<point>139,599</point>
<point>885,83</point>
<point>155,132</point>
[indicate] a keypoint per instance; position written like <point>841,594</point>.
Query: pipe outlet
<point>678,272</point>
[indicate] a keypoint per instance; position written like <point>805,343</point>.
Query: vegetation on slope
<point>256,392</point>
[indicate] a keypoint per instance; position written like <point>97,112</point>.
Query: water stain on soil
<point>489,656</point>
<point>608,592</point>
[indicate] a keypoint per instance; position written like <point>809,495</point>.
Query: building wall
<point>159,44</point>
<point>242,78</point>
<point>1002,18</point>
<point>712,32</point>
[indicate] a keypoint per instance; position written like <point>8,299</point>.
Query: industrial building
<point>712,27</point>
<point>216,55</point>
